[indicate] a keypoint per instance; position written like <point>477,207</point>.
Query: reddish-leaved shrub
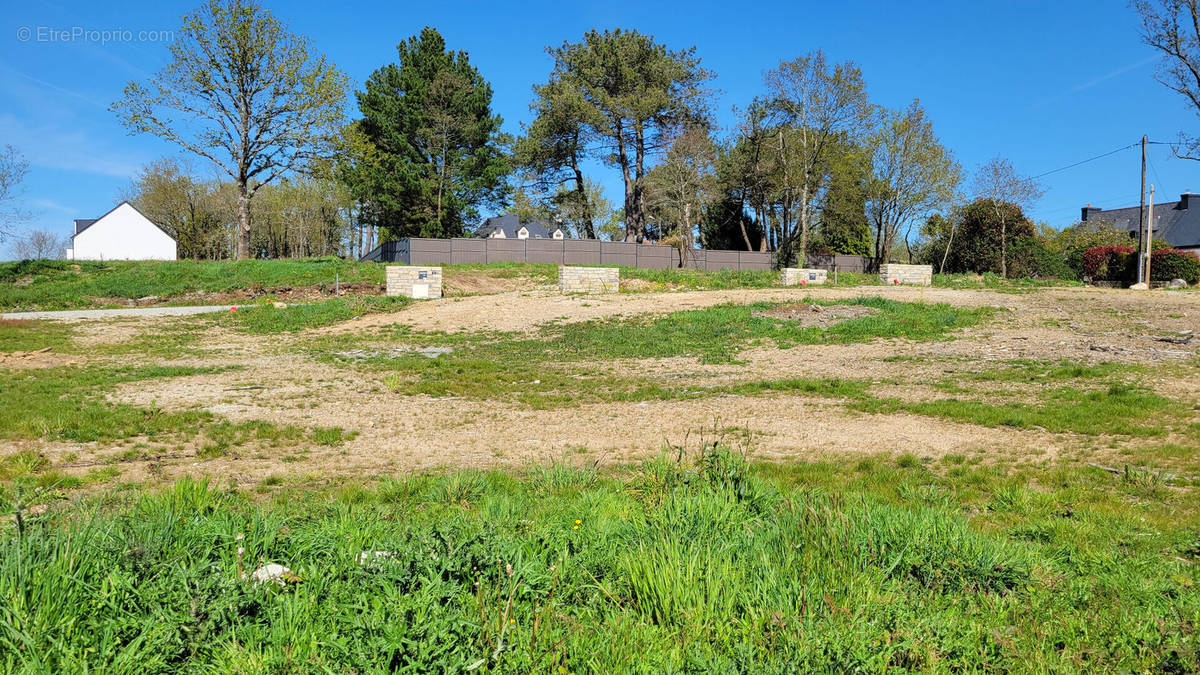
<point>1109,263</point>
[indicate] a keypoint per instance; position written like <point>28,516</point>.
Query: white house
<point>121,234</point>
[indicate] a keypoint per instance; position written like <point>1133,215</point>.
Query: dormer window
<point>522,233</point>
<point>558,234</point>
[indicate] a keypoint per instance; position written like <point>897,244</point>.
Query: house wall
<point>123,234</point>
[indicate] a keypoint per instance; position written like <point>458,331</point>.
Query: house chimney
<point>1186,198</point>
<point>1089,212</point>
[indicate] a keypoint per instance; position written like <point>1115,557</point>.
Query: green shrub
<point>1168,264</point>
<point>1031,257</point>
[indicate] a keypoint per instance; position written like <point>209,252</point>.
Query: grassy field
<point>973,477</point>
<point>694,562</point>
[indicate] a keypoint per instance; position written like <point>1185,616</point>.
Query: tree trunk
<point>949,242</point>
<point>1003,249</point>
<point>243,209</point>
<point>585,204</point>
<point>639,192</point>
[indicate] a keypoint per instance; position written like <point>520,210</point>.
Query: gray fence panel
<point>468,251</point>
<point>753,260</point>
<point>657,257</point>
<point>618,253</point>
<point>505,250</point>
<point>581,252</point>
<point>544,251</point>
<point>429,251</point>
<point>417,251</point>
<point>720,260</point>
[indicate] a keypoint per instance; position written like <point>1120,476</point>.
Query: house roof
<point>82,224</point>
<point>509,223</point>
<point>1177,223</point>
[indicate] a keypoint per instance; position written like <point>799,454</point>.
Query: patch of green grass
<point>25,335</point>
<point>331,436</point>
<point>996,282</point>
<point>1118,409</point>
<point>65,404</point>
<point>265,319</point>
<point>687,279</point>
<point>712,565</point>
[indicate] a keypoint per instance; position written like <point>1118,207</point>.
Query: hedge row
<point>1119,263</point>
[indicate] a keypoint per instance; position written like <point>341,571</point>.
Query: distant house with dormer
<point>1177,223</point>
<point>510,226</point>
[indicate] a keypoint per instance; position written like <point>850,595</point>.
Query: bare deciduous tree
<point>999,182</point>
<point>38,245</point>
<point>682,185</point>
<point>13,168</point>
<point>244,93</point>
<point>1173,28</point>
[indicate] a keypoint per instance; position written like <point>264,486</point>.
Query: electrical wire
<point>1090,159</point>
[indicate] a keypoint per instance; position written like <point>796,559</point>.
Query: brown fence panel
<point>753,260</point>
<point>657,257</point>
<point>468,251</point>
<point>720,260</point>
<point>581,252</point>
<point>544,251</point>
<point>505,250</point>
<point>429,251</point>
<point>618,253</point>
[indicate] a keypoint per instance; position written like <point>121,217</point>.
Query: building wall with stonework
<point>802,276</point>
<point>414,282</point>
<point>893,274</point>
<point>588,279</point>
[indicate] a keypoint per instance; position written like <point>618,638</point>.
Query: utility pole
<point>1142,212</point>
<point>1149,235</point>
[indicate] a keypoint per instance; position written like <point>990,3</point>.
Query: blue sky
<point>1046,84</point>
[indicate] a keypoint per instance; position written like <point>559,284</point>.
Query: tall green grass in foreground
<point>711,566</point>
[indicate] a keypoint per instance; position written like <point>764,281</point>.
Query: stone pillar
<point>802,276</point>
<point>894,274</point>
<point>414,282</point>
<point>588,279</point>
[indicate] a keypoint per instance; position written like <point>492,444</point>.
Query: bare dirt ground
<point>398,433</point>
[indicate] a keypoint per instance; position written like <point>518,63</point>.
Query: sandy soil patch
<point>821,316</point>
<point>40,358</point>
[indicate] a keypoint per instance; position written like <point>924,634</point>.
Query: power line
<point>1090,159</point>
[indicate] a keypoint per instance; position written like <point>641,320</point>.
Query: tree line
<point>810,166</point>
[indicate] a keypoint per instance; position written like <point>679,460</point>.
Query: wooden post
<point>1149,235</point>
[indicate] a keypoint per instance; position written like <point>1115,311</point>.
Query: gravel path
<point>84,314</point>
